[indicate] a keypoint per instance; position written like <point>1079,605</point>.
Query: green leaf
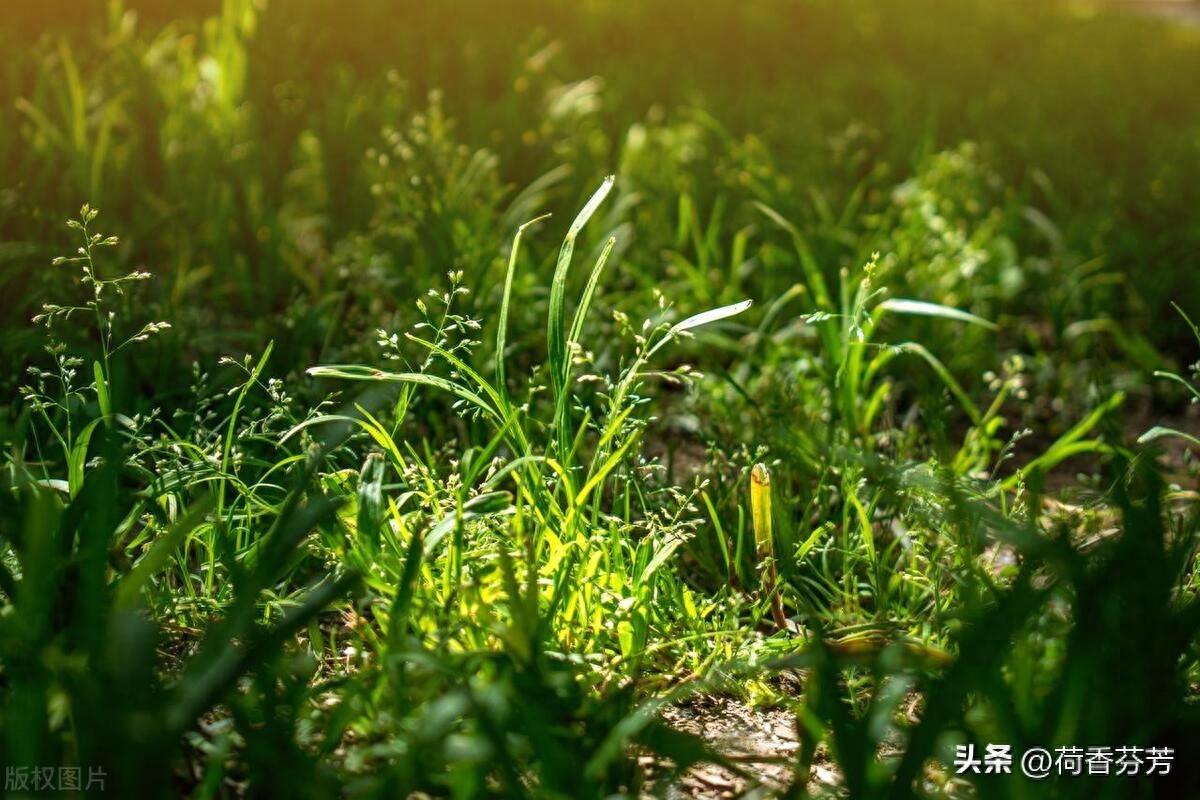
<point>712,315</point>
<point>556,326</point>
<point>808,262</point>
<point>370,499</point>
<point>920,308</point>
<point>1071,443</point>
<point>78,457</point>
<point>586,300</point>
<point>502,328</point>
<point>1160,432</point>
<point>944,374</point>
<point>101,389</point>
<point>359,373</point>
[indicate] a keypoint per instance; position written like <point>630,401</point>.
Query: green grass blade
<point>920,308</point>
<point>502,327</point>
<point>556,328</point>
<point>1160,432</point>
<point>353,372</point>
<point>586,300</point>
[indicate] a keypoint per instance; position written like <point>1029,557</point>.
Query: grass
<point>396,447</point>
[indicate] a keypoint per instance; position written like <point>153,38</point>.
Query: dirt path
<point>762,742</point>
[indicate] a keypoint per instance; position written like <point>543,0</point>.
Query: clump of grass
<point>58,397</point>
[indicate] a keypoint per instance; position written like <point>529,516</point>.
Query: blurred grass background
<point>235,147</point>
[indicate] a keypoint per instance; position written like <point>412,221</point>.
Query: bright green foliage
<point>531,374</point>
